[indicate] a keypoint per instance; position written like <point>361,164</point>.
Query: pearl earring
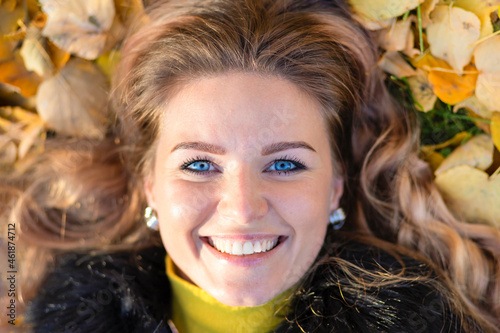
<point>337,218</point>
<point>151,219</point>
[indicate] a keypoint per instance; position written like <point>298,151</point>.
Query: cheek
<point>182,207</point>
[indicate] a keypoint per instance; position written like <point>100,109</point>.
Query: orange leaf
<point>495,129</point>
<point>449,86</point>
<point>13,72</point>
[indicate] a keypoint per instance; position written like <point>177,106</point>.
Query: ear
<point>337,189</point>
<point>149,191</point>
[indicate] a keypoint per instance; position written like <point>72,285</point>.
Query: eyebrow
<point>218,150</point>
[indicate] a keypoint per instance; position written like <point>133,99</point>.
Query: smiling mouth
<point>244,247</point>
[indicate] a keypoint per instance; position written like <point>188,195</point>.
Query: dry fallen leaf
<point>477,152</point>
<point>449,86</point>
<point>393,63</point>
<point>34,53</point>
<point>73,102</point>
<point>452,88</point>
<point>421,90</point>
<point>397,36</point>
<point>379,10</point>
<point>429,152</point>
<point>451,34</point>
<point>482,9</point>
<point>129,10</point>
<point>475,106</point>
<point>495,129</point>
<point>471,193</point>
<point>487,58</point>
<point>432,157</point>
<point>426,8</point>
<point>79,26</point>
<point>12,70</point>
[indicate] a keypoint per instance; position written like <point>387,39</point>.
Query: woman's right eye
<point>198,166</point>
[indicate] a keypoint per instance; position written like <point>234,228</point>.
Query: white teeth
<point>257,248</point>
<point>237,249</point>
<point>240,248</point>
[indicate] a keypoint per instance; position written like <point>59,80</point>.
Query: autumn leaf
<point>429,152</point>
<point>23,129</point>
<point>482,9</point>
<point>477,152</point>
<point>79,26</point>
<point>495,129</point>
<point>474,105</point>
<point>449,86</point>
<point>471,193</point>
<point>73,102</point>
<point>451,34</point>
<point>379,10</point>
<point>487,58</point>
<point>34,53</point>
<point>422,93</point>
<point>12,70</point>
<point>426,8</point>
<point>393,63</point>
<point>398,36</point>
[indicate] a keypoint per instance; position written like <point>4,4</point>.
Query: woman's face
<point>243,185</point>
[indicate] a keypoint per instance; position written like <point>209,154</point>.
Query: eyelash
<point>299,165</point>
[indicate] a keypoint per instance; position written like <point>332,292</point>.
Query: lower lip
<point>244,260</point>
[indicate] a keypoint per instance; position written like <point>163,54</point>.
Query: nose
<point>241,198</point>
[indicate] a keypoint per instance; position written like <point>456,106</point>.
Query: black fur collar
<point>129,292</point>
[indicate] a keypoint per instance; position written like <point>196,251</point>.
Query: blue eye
<point>198,166</point>
<point>282,166</point>
<point>287,165</point>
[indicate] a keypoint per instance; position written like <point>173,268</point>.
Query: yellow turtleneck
<point>194,310</point>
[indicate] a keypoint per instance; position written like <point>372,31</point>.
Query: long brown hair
<point>389,194</point>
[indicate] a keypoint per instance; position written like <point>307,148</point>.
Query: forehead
<point>242,106</point>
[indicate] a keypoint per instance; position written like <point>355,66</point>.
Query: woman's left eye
<point>286,166</point>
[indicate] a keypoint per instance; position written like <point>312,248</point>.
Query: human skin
<point>236,194</point>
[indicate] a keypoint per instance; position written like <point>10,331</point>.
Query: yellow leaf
<point>477,152</point>
<point>452,88</point>
<point>453,142</point>
<point>128,10</point>
<point>393,63</point>
<point>395,38</point>
<point>422,93</point>
<point>449,86</point>
<point>108,62</point>
<point>475,106</point>
<point>13,73</point>
<point>471,193</point>
<point>79,26</point>
<point>73,101</point>
<point>482,9</point>
<point>450,35</point>
<point>487,58</point>
<point>9,15</point>
<point>432,157</point>
<point>378,10</point>
<point>426,8</point>
<point>495,129</point>
<point>34,53</point>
